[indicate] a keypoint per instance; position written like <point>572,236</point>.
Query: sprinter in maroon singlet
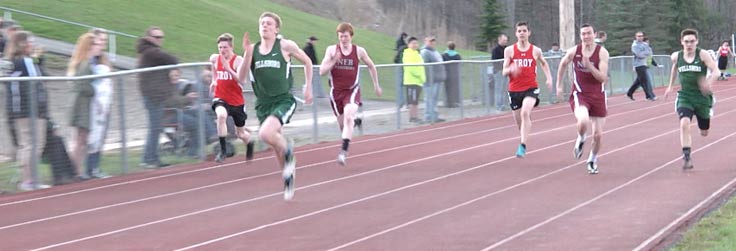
<point>588,97</point>
<point>520,64</point>
<point>228,95</point>
<point>341,62</point>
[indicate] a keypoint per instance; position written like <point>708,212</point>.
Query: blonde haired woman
<point>88,53</point>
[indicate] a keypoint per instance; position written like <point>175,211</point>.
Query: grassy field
<point>714,232</point>
<point>190,25</point>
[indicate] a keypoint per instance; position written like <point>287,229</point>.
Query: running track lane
<point>503,214</point>
<point>341,188</point>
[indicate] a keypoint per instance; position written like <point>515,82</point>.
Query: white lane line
<point>566,212</point>
<point>307,151</point>
<point>410,186</point>
<point>272,173</point>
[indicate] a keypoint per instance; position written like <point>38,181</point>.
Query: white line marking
<point>493,117</point>
<point>274,173</point>
<point>681,218</point>
<point>532,228</point>
<point>335,180</point>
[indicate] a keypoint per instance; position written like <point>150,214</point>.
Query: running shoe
<point>520,151</point>
<point>592,168</point>
<point>289,173</point>
<point>249,151</point>
<point>342,157</point>
<point>688,164</point>
<point>578,150</point>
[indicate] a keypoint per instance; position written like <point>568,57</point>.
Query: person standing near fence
<point>641,52</point>
<point>695,97</point>
<point>157,91</point>
<point>452,85</point>
<point>723,53</point>
<point>19,97</point>
<point>100,110</point>
<point>312,53</point>
<point>520,65</point>
<point>414,78</point>
<point>601,38</point>
<point>270,61</point>
<point>651,63</point>
<point>588,98</point>
<point>436,77</point>
<point>341,61</point>
<point>228,96</point>
<point>88,53</point>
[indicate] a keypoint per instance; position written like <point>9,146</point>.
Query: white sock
<point>580,139</point>
<point>592,157</point>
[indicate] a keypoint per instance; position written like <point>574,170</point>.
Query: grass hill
<point>190,25</point>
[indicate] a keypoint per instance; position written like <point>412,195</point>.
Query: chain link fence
<point>46,147</point>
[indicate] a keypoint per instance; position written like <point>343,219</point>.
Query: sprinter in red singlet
<point>588,97</point>
<point>228,95</point>
<point>723,52</point>
<point>520,64</point>
<point>341,62</point>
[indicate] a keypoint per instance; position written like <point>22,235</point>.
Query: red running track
<point>451,186</point>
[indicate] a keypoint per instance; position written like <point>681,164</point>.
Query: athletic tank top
<point>585,82</point>
<point>228,88</point>
<point>271,73</point>
<point>345,74</point>
<point>724,51</point>
<point>690,73</point>
<point>527,79</point>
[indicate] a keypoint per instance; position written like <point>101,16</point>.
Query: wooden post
<point>567,24</point>
<point>567,34</point>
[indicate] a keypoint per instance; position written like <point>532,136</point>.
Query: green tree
<point>492,24</point>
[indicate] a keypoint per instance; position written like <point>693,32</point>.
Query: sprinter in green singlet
<point>695,97</point>
<point>269,60</point>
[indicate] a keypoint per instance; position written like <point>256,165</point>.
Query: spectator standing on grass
<point>18,97</point>
<point>84,59</point>
<point>400,47</point>
<point>157,91</point>
<point>651,63</point>
<point>401,42</point>
<point>501,43</point>
<point>452,85</point>
<point>312,54</point>
<point>555,51</point>
<point>7,30</point>
<point>435,78</point>
<point>641,51</point>
<point>600,38</point>
<point>414,77</point>
<point>496,67</point>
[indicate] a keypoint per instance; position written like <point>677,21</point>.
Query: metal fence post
<point>8,15</point>
<point>484,80</point>
<point>201,95</point>
<point>315,122</point>
<point>112,44</point>
<point>123,136</point>
<point>460,90</point>
<point>400,92</point>
<point>34,133</point>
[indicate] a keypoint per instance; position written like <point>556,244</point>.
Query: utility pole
<point>567,32</point>
<point>567,24</point>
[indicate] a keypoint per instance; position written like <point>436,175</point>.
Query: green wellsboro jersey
<point>690,75</point>
<point>272,74</point>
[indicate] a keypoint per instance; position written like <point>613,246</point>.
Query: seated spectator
<point>190,113</point>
